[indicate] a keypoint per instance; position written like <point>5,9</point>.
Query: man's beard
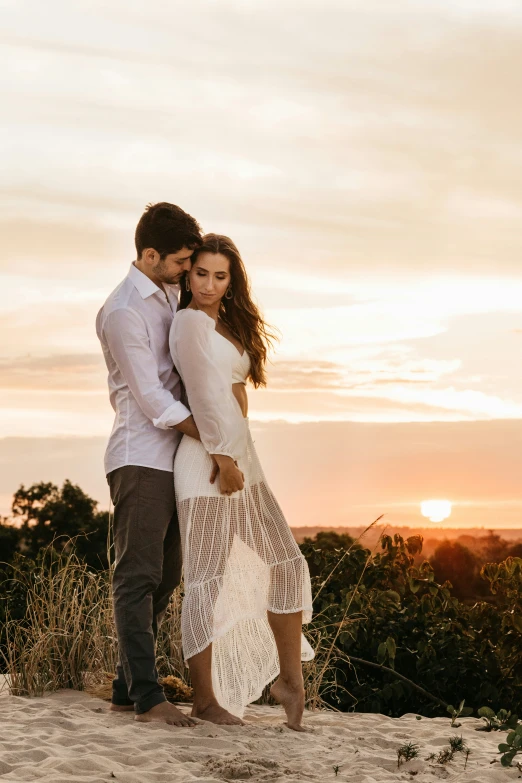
<point>161,274</point>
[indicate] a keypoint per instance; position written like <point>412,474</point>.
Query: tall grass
<point>67,638</point>
<point>67,633</point>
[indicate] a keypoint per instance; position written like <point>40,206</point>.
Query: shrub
<point>386,612</point>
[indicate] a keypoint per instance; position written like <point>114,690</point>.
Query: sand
<point>70,736</point>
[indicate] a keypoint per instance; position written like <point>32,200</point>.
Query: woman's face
<point>209,278</point>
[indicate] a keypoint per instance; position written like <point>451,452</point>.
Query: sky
<point>366,159</point>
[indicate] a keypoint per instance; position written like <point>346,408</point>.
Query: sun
<point>436,510</point>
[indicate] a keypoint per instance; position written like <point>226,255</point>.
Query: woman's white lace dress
<point>240,558</point>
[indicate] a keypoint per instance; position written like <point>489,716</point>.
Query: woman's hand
<point>231,479</point>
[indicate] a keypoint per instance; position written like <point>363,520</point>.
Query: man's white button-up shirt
<point>133,327</point>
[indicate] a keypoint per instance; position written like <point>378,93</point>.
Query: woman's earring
<point>187,283</point>
<point>229,294</point>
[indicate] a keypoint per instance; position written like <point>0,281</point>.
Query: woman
<point>247,586</point>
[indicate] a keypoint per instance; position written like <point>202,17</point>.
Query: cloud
<point>364,158</point>
<point>362,141</point>
<point>305,375</point>
<point>58,247</point>
<point>71,372</point>
<point>362,374</point>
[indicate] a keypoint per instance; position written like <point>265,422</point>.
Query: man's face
<point>170,269</point>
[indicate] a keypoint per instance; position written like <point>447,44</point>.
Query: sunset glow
<point>375,197</point>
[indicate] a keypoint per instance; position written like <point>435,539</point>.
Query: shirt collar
<point>143,284</point>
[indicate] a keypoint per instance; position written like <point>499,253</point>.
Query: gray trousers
<point>146,572</point>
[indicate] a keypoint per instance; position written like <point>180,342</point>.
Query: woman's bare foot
<point>290,695</point>
<point>121,708</point>
<point>166,713</point>
<point>215,714</point>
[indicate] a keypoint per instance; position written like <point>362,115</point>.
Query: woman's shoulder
<point>193,317</point>
<point>190,323</point>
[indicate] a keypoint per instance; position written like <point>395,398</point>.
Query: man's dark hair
<point>166,228</point>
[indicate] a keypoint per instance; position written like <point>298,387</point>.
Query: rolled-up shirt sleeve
<point>126,336</point>
<point>208,383</point>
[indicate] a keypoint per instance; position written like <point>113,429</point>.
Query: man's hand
<point>231,479</point>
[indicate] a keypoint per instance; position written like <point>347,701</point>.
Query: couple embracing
<point>181,337</point>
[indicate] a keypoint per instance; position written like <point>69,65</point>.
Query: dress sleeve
<point>208,383</point>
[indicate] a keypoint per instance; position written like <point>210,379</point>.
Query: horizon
<point>368,170</point>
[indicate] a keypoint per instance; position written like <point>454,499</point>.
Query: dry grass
<point>176,690</point>
<point>67,639</point>
<point>67,634</point>
<point>169,654</point>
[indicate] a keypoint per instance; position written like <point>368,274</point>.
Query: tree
<point>325,544</point>
<point>493,548</point>
<point>51,515</point>
<point>329,540</point>
<point>515,550</point>
<point>9,541</point>
<point>457,564</point>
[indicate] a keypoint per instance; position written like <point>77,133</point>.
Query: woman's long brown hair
<point>240,314</point>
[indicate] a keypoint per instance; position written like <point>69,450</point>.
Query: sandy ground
<point>71,736</point>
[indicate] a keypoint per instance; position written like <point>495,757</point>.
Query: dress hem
<point>255,617</point>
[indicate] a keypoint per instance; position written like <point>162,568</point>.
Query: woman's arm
<point>207,381</point>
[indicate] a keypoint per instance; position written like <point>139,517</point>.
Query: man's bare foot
<point>121,708</point>
<point>291,697</point>
<point>215,714</point>
<point>166,713</point>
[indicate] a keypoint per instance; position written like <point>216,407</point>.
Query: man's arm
<point>187,427</point>
<point>126,335</point>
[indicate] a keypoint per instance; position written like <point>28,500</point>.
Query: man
<point>133,327</point>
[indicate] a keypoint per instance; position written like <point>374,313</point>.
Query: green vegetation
<point>389,637</point>
<point>497,721</point>
<point>392,639</point>
<point>511,747</point>
<point>456,713</point>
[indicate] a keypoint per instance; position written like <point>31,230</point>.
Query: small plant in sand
<point>497,721</point>
<point>456,744</point>
<point>407,752</point>
<point>511,747</point>
<point>336,769</point>
<point>462,711</point>
<point>442,757</point>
